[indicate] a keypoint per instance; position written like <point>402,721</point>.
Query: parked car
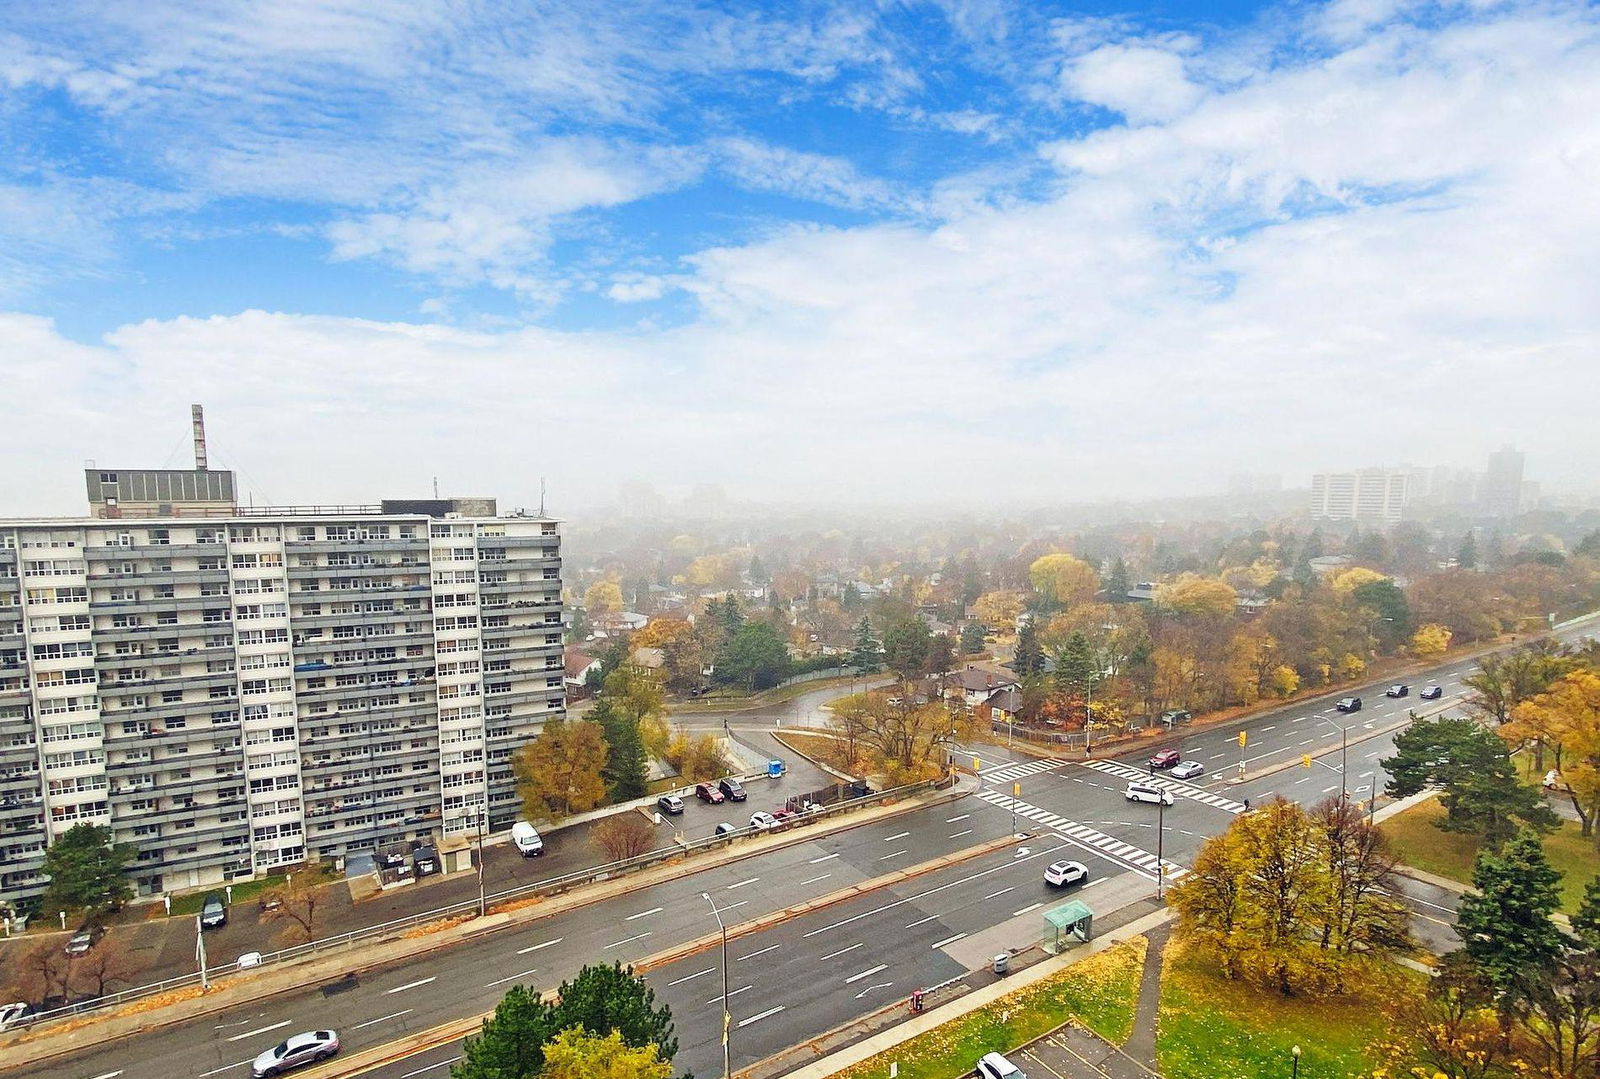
<point>213,912</point>
<point>301,1049</point>
<point>995,1066</point>
<point>670,804</point>
<point>84,939</point>
<point>1188,769</point>
<point>1165,759</point>
<point>12,1015</point>
<point>1174,716</point>
<point>1061,874</point>
<point>1552,780</point>
<point>709,793</point>
<point>1349,704</point>
<point>1397,691</point>
<point>731,788</point>
<point>1145,792</point>
<point>1431,692</point>
<point>762,819</point>
<point>525,837</point>
<point>784,816</point>
<point>724,829</point>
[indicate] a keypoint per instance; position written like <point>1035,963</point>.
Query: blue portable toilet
<point>774,768</point>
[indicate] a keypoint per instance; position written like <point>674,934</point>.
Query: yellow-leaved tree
<point>1348,580</point>
<point>603,598</point>
<point>1192,594</point>
<point>1567,716</point>
<point>1064,579</point>
<point>558,773</point>
<point>577,1054</point>
<point>1430,639</point>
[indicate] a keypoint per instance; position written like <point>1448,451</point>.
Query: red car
<point>708,793</point>
<point>1166,758</point>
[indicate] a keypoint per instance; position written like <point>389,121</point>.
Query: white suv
<point>1145,792</point>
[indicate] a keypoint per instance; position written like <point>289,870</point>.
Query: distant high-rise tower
<point>1372,495</point>
<point>1501,494</point>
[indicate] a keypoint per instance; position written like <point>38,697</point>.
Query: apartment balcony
<point>307,573</point>
<point>312,668</point>
<point>346,693</point>
<point>200,860</point>
<point>352,618</point>
<point>419,543</point>
<point>160,577</point>
<point>524,626</point>
<point>519,542</point>
<point>149,550</point>
<point>158,711</point>
<point>167,655</point>
<point>111,688</point>
<point>180,630</point>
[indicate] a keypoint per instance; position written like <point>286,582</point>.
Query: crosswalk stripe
<point>1109,846</point>
<point>1183,790</point>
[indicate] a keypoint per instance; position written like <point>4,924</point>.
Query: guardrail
<point>469,907</point>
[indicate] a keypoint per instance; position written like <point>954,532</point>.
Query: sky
<point>967,254</point>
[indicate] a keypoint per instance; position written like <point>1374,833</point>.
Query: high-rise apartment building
<point>237,690</point>
<point>1501,492</point>
<point>1371,495</point>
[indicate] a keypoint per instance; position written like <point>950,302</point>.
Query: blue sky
<point>775,245</point>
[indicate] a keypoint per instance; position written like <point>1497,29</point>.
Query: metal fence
<point>469,907</point>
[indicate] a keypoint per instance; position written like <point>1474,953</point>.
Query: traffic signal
<point>1243,739</point>
<point>1016,790</point>
<point>1305,760</point>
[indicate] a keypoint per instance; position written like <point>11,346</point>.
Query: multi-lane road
<point>804,975</point>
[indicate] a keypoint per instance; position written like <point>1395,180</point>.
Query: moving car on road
<point>1431,692</point>
<point>1061,874</point>
<point>670,804</point>
<point>709,793</point>
<point>1349,704</point>
<point>1188,770</point>
<point>1397,691</point>
<point>995,1066</point>
<point>301,1049</point>
<point>1165,759</point>
<point>1146,792</point>
<point>213,912</point>
<point>731,788</point>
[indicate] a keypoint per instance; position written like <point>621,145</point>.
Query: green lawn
<point>245,890</point>
<point>1212,1027</point>
<point>1100,992</point>
<point>1450,854</point>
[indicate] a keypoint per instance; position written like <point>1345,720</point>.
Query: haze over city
<point>987,252</point>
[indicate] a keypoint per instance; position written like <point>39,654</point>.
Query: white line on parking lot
<point>762,951</point>
<point>896,854</point>
<point>629,940</point>
<point>430,1067</point>
<point>225,1067</point>
<point>742,883</point>
<point>952,820</point>
<point>824,858</point>
<point>691,977</point>
<point>536,947</point>
<point>866,973</point>
<point>841,951</point>
<point>760,1016</point>
<point>509,978</point>
<point>644,913</point>
<point>958,835</point>
<point>922,921</point>
<point>814,880</point>
<point>393,1015</point>
<point>947,940</point>
<point>258,1030</point>
<point>892,838</point>
<point>1026,909</point>
<point>412,985</point>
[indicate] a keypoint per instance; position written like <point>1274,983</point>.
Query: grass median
<point>1100,993</point>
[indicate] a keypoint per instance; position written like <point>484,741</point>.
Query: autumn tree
<point>1566,718</point>
<point>1450,1029</point>
<point>560,772</point>
<point>697,757</point>
<point>906,740</point>
<point>1063,580</point>
<point>296,903</point>
<point>576,1054</point>
<point>1503,681</point>
<point>623,835</point>
<point>1000,609</point>
<point>603,599</point>
<point>1193,595</point>
<point>1430,640</point>
<point>108,964</point>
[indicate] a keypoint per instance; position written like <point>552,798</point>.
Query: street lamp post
<point>727,1061</point>
<point>483,816</point>
<point>1294,1051</point>
<point>1161,834</point>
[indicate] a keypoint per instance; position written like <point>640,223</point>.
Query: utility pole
<point>1088,712</point>
<point>727,1024</point>
<point>1161,835</point>
<point>483,817</point>
<point>200,952</point>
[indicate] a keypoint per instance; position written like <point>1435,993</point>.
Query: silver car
<point>1188,770</point>
<point>301,1049</point>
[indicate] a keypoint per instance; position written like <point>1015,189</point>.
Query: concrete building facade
<point>1370,495</point>
<point>233,691</point>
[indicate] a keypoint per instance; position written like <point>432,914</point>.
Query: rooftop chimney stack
<point>199,416</point>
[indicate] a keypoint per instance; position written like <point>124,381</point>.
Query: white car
<point>762,819</point>
<point>1061,874</point>
<point>301,1049</point>
<point>995,1066</point>
<point>11,1014</point>
<point>1144,792</point>
<point>1188,770</point>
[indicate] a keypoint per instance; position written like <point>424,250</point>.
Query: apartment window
<point>306,533</point>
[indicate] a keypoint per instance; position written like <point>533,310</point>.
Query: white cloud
<point>635,288</point>
<point>815,177</point>
<point>1141,81</point>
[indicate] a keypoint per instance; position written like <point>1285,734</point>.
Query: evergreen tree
<point>1505,926</point>
<point>1482,792</point>
<point>1589,546</point>
<point>758,571</point>
<point>1586,922</point>
<point>1029,657</point>
<point>971,639</point>
<point>1467,553</point>
<point>602,999</point>
<point>941,655</point>
<point>1077,667</point>
<point>905,648</point>
<point>511,1043</point>
<point>88,870</point>
<point>626,771</point>
<point>850,599</point>
<point>864,656</point>
<point>1117,581</point>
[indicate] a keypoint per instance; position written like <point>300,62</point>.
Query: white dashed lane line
<point>412,985</point>
<point>258,1030</point>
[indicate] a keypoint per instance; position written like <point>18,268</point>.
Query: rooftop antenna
<point>541,496</point>
<point>436,488</point>
<point>198,415</point>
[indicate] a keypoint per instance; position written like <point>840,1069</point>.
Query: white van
<point>1147,792</point>
<point>526,839</point>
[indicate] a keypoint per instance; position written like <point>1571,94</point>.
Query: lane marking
<point>386,1018</point>
<point>691,977</point>
<point>225,1067</point>
<point>866,973</point>
<point>763,951</point>
<point>258,1030</point>
<point>411,985</point>
<point>736,992</point>
<point>892,838</point>
<point>109,1075</point>
<point>1002,891</point>
<point>1264,730</point>
<point>1025,910</point>
<point>896,854</point>
<point>922,921</point>
<point>947,940</point>
<point>536,947</point>
<point>824,858</point>
<point>813,880</point>
<point>952,820</point>
<point>644,913</point>
<point>760,1016</point>
<point>958,835</point>
<point>430,1067</point>
<point>629,940</point>
<point>742,883</point>
<point>841,951</point>
<point>512,977</point>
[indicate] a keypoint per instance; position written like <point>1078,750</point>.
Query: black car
<point>670,804</point>
<point>1349,704</point>
<point>731,789</point>
<point>1397,691</point>
<point>213,912</point>
<point>1431,692</point>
